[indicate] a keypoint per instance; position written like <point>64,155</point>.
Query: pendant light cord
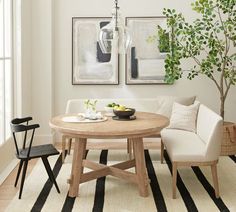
<point>116,6</point>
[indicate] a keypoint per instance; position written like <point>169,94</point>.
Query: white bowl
<point>109,111</point>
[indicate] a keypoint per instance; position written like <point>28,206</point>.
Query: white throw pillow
<point>184,117</point>
<point>165,103</point>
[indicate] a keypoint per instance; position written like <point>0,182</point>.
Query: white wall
<point>26,62</point>
<point>52,59</point>
<point>42,66</point>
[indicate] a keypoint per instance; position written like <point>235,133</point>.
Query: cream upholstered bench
<point>195,149</point>
<point>161,105</point>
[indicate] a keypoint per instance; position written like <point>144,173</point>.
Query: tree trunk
<point>222,106</point>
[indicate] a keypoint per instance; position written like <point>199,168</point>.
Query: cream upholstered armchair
<point>195,149</point>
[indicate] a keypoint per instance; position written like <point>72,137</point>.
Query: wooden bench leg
<point>215,180</point>
<point>77,166</point>
<point>140,166</point>
<point>174,179</point>
<point>162,151</point>
<point>63,147</point>
<point>69,145</point>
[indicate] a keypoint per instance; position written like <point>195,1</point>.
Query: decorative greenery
<point>162,39</point>
<point>209,41</point>
<point>86,104</point>
<point>89,104</point>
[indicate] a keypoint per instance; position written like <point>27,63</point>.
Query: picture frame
<point>144,61</point>
<point>89,65</point>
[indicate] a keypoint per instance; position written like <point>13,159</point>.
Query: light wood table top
<point>145,124</point>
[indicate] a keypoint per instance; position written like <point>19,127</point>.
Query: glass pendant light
<point>115,34</point>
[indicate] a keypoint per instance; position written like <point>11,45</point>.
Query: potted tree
<point>210,42</point>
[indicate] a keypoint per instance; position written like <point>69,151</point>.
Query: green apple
<point>122,107</point>
<point>116,107</point>
<point>127,109</point>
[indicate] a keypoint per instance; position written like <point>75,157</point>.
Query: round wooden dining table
<point>145,124</point>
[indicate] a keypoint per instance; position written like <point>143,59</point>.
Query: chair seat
<point>38,151</point>
<point>184,146</point>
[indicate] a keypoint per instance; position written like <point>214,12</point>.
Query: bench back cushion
<point>146,105</point>
<point>161,105</point>
<point>165,103</point>
<point>210,130</point>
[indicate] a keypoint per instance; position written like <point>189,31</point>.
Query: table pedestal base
<point>100,170</point>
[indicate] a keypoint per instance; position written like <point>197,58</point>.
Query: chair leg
<point>215,180</point>
<point>174,178</point>
<point>18,172</point>
<point>69,145</point>
<point>23,177</point>
<point>50,173</point>
<point>162,151</point>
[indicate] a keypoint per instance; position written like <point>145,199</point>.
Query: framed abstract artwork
<point>145,60</point>
<point>89,65</point>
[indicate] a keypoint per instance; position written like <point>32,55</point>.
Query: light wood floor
<point>8,191</point>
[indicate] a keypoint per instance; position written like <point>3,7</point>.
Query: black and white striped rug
<point>108,194</point>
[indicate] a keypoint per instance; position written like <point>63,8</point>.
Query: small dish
<point>109,111</point>
<point>99,115</point>
<point>80,117</point>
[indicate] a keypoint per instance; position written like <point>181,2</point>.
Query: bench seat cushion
<point>183,145</point>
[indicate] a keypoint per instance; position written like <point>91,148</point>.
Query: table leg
<point>129,147</point>
<point>77,166</point>
<point>140,166</point>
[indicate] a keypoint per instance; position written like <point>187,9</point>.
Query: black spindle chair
<point>28,152</point>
